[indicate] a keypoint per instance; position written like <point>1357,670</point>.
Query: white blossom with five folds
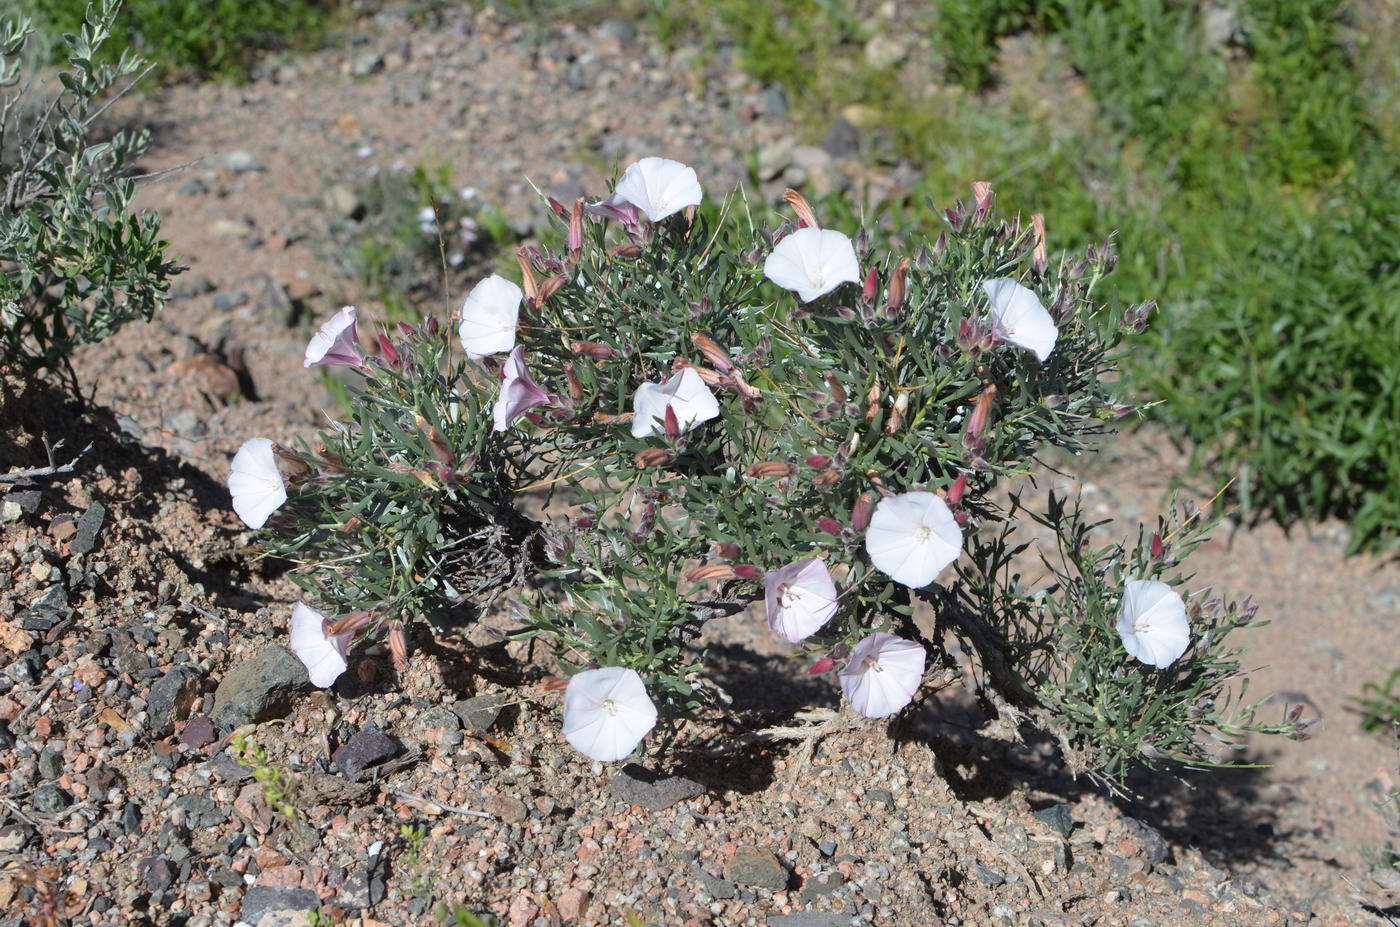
<point>519,391</point>
<point>1152,622</point>
<point>489,316</point>
<point>883,674</point>
<point>607,712</point>
<point>685,394</point>
<point>337,343</point>
<point>912,537</point>
<point>1018,317</point>
<point>255,483</point>
<point>322,654</point>
<point>800,598</point>
<point>812,262</point>
<point>659,187</point>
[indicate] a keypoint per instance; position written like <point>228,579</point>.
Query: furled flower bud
<point>1136,318</point>
<point>955,492</point>
<point>398,646</point>
<point>387,350</point>
<point>439,446</point>
<point>830,526</point>
<point>527,274</point>
<point>897,410</point>
<point>870,288</point>
<point>838,392</point>
<point>982,196</point>
<point>770,468</point>
<point>746,571</point>
<point>551,286</point>
<point>818,461</point>
<point>712,351</point>
<point>653,457</point>
<point>981,415</point>
<point>872,403</point>
<point>571,377</point>
<point>827,480</point>
<point>576,230</point>
<point>626,250</point>
<point>711,571</point>
<point>1158,548</point>
<point>1041,261</point>
<point>824,665</point>
<point>861,512</point>
<point>799,204</point>
<point>726,550</point>
<point>897,287</point>
<point>593,349</point>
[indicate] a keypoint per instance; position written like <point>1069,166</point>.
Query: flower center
<point>1141,626</point>
<point>923,534</point>
<point>871,663</point>
<point>609,706</point>
<point>787,596</point>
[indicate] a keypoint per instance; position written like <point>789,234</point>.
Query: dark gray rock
<point>228,300</point>
<point>157,872</point>
<point>366,749</point>
<point>354,894</point>
<point>1155,848</point>
<point>480,712</point>
<point>89,527</point>
<point>990,876</point>
<point>50,763</point>
<point>50,799</point>
<point>259,689</point>
<point>1059,818</point>
<point>718,888</point>
<point>198,733</point>
<point>881,797</point>
<point>826,848</point>
<point>47,610</point>
<point>200,810</point>
<point>171,698</point>
<point>757,868</point>
<point>262,899</point>
<point>28,500</point>
<point>819,886</point>
<point>131,818</point>
<point>842,139</point>
<point>636,785</point>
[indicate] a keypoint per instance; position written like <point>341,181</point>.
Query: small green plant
<point>458,916</point>
<point>421,878</point>
<point>317,919</point>
<point>279,788</point>
<point>79,261</point>
<point>1379,704</point>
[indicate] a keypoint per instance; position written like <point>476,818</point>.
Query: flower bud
<point>827,480</point>
<point>1158,548</point>
<point>571,377</point>
<point>593,349</point>
<point>862,510</point>
<point>981,415</point>
<point>439,446</point>
<point>387,350</point>
<point>711,377</point>
<point>770,468</point>
<point>982,196</point>
<point>824,665</point>
<point>870,288</point>
<point>897,410</point>
<point>872,403</point>
<point>1041,261</point>
<point>527,275</point>
<point>626,250</point>
<point>653,457</point>
<point>818,461</point>
<point>1136,318</point>
<point>712,351</point>
<point>829,526</point>
<point>398,646</point>
<point>806,218</point>
<point>557,206</point>
<point>745,571</point>
<point>672,423</point>
<point>897,287</point>
<point>711,571</point>
<point>551,286</point>
<point>955,492</point>
<point>575,242</point>
<point>838,392</point>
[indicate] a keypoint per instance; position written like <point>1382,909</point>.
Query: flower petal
<point>883,674</point>
<point>255,483</point>
<point>489,317</point>
<point>659,187</point>
<point>1019,317</point>
<point>607,712</point>
<point>1152,622</point>
<point>323,657</point>
<point>913,537</point>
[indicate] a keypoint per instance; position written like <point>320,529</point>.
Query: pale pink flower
<point>323,654</point>
<point>607,712</point>
<point>812,261</point>
<point>659,187</point>
<point>883,674</point>
<point>1018,317</point>
<point>912,537</point>
<point>489,316</point>
<point>685,394</point>
<point>1152,622</point>
<point>800,598</point>
<point>519,392</point>
<point>337,343</point>
<point>255,483</point>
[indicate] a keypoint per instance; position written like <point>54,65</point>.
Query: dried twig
<point>428,802</point>
<point>53,469</point>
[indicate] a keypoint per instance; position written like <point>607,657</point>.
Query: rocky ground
<point>141,636</point>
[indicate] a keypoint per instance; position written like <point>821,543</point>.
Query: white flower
<point>659,187</point>
<point>255,483</point>
<point>812,261</point>
<point>489,316</point>
<point>1018,317</point>
<point>912,537</point>
<point>607,712</point>
<point>322,654</point>
<point>800,598</point>
<point>883,674</point>
<point>337,343</point>
<point>1152,622</point>
<point>519,391</point>
<point>685,394</point>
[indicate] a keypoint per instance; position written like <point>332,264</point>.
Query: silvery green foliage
<point>78,261</point>
<point>811,413</point>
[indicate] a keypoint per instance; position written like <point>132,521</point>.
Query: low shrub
<point>79,260</point>
<point>715,442</point>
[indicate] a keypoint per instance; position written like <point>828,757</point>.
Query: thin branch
<point>118,95</point>
<point>428,802</point>
<point>53,469</point>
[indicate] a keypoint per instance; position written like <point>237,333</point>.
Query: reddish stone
<point>572,904</point>
<point>522,910</point>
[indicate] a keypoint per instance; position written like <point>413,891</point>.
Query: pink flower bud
<point>1158,548</point>
<point>388,351</point>
<point>830,526</point>
<point>745,571</point>
<point>870,288</point>
<point>593,349</point>
<point>575,242</point>
<point>818,461</point>
<point>862,510</point>
<point>955,492</point>
<point>824,665</point>
<point>806,218</point>
<point>726,550</point>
